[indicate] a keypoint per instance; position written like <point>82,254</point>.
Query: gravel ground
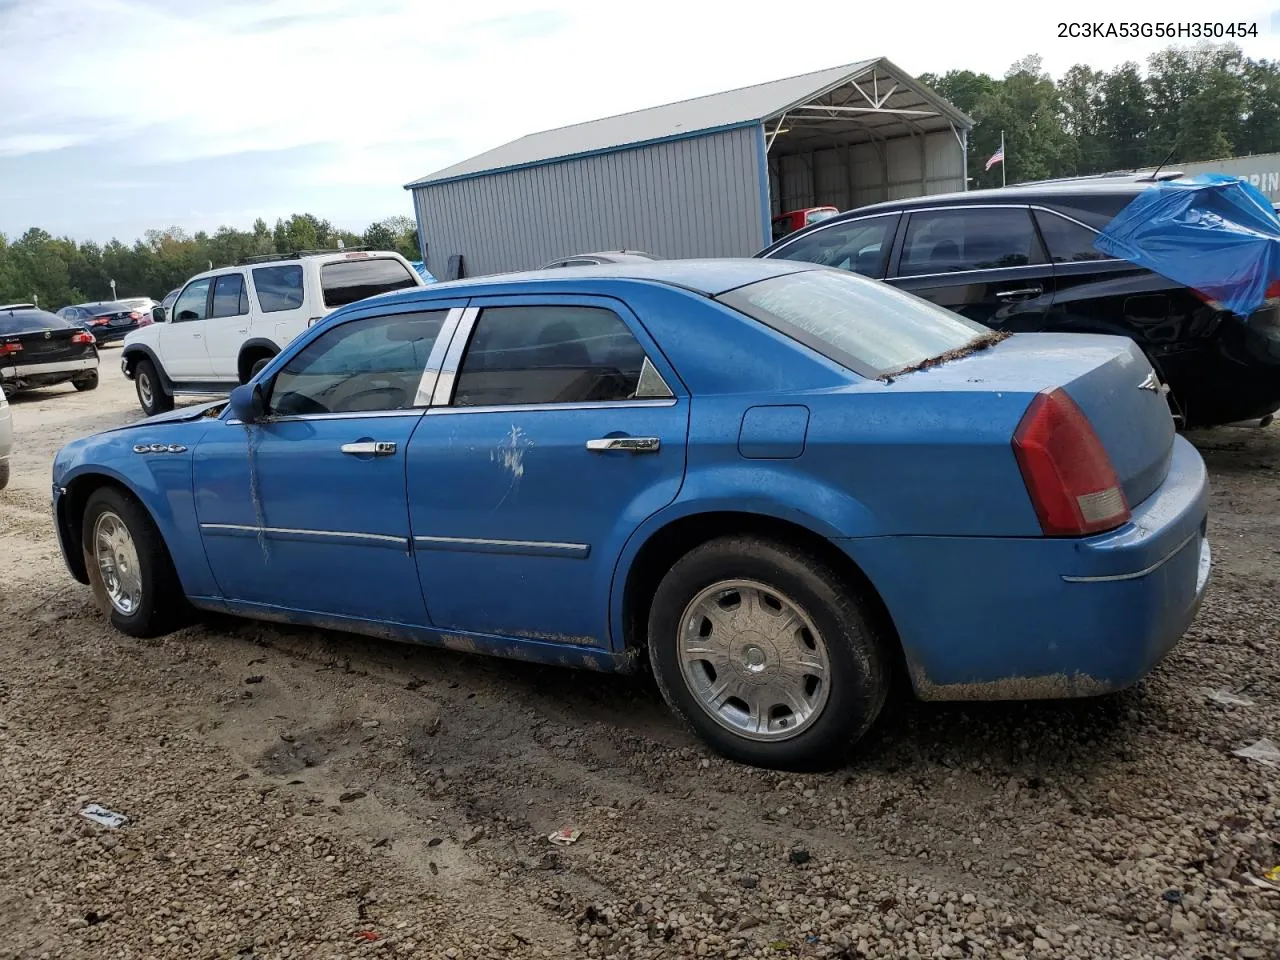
<point>294,793</point>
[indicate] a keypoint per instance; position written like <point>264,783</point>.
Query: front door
<point>182,347</point>
<point>228,325</point>
<point>985,263</point>
<point>307,510</point>
<point>550,440</point>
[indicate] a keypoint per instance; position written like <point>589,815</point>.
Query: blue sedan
<point>776,483</point>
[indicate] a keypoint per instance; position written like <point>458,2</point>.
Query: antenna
<point>1156,176</point>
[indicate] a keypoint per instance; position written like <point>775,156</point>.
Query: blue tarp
<point>1214,233</point>
<point>422,271</point>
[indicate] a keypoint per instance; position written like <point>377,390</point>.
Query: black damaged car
<point>39,349</point>
<point>1022,259</point>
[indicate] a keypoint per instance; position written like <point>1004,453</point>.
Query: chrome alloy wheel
<point>145,390</point>
<point>753,660</point>
<point>117,558</point>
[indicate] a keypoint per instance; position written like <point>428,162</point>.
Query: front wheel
<point>768,653</point>
<point>129,567</point>
<point>151,395</point>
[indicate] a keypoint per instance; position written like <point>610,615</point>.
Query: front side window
<point>860,246</point>
<point>375,363</point>
<point>229,296</point>
<point>949,241</point>
<point>346,281</point>
<point>279,288</point>
<point>550,354</point>
<point>193,302</point>
<point>1068,242</point>
<point>869,327</point>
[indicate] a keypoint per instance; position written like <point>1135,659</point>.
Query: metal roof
<point>718,111</point>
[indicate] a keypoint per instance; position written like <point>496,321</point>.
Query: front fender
<point>160,480</point>
<point>130,355</point>
<point>771,489</point>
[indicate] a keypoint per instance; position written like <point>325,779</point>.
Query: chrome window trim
<point>540,407</point>
<point>431,372</point>
<point>965,273</point>
<point>442,395</point>
<point>350,415</point>
<point>291,531</point>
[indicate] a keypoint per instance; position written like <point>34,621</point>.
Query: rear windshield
<point>865,325</point>
<point>346,281</point>
<point>26,321</point>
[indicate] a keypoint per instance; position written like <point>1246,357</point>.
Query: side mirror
<point>249,403</point>
<point>157,315</point>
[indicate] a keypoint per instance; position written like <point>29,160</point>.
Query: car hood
<point>182,415</point>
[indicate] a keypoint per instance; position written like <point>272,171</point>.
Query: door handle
<point>629,444</point>
<point>370,448</point>
<point>196,336</point>
<point>1021,292</point>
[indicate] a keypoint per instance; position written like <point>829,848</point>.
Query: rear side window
<point>869,327</point>
<point>346,281</point>
<point>229,296</point>
<point>25,321</point>
<point>948,241</point>
<point>278,288</point>
<point>860,246</point>
<point>1068,242</point>
<point>551,354</point>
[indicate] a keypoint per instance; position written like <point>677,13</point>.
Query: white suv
<point>227,323</point>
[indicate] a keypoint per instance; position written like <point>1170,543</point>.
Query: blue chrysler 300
<point>778,482</point>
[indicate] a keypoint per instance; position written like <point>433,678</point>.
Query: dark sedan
<point>1023,259</point>
<point>39,349</point>
<point>109,320</point>
<point>606,256</point>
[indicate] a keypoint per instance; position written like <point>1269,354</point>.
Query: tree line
<point>1188,104</point>
<point>57,271</point>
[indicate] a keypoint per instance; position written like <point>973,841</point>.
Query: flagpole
<point>1004,162</point>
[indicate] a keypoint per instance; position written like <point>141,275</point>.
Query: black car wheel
<point>258,366</point>
<point>4,474</point>
<point>87,382</point>
<point>151,395</point>
<point>129,567</point>
<point>767,653</point>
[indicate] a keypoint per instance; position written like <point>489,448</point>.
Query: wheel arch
<point>251,351</point>
<point>636,581</point>
<point>136,351</point>
<point>70,514</point>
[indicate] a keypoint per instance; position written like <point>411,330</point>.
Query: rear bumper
<point>53,372</point>
<point>1036,618</point>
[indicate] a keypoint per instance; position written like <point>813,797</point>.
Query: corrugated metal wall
<point>698,197</point>
<point>848,177</point>
<point>1261,170</point>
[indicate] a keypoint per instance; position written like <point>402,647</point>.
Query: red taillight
<point>83,336</point>
<point>1067,472</point>
<point>135,315</point>
<point>8,348</point>
<point>99,321</point>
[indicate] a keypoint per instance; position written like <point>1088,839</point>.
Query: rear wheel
<point>4,474</point>
<point>767,653</point>
<point>129,567</point>
<point>258,366</point>
<point>87,382</point>
<point>151,395</point>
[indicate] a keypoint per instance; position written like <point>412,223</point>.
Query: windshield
<point>865,325</point>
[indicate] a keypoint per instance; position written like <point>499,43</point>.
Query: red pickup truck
<point>793,220</point>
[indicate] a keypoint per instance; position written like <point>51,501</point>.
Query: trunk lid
<point>47,346</point>
<point>1109,379</point>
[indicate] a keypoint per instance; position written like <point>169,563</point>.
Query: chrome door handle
<point>370,448</point>
<point>1021,292</point>
<point>196,336</point>
<point>629,444</point>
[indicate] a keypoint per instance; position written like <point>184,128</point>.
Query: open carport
<point>696,178</point>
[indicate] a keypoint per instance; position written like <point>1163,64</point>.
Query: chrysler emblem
<point>1151,383</point>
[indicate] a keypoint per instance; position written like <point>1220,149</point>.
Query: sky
<point>118,116</point>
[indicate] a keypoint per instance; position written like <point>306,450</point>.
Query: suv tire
<point>151,395</point>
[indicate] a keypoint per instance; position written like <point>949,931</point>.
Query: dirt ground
<point>300,794</point>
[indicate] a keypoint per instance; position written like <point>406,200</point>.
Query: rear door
<point>182,348</point>
<point>280,294</point>
<point>985,263</point>
<point>555,430</point>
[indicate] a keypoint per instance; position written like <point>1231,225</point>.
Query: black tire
<point>89,382</point>
<point>256,367</point>
<point>162,606</point>
<point>856,656</point>
<point>151,393</point>
<point>4,474</point>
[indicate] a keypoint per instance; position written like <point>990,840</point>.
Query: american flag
<point>997,157</point>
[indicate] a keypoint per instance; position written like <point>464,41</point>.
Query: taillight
<point>84,336</point>
<point>7,348</point>
<point>1068,474</point>
<point>99,321</point>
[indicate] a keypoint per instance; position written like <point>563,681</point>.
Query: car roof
<point>708,277</point>
<point>1046,191</point>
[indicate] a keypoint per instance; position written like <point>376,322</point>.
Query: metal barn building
<point>697,178</point>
